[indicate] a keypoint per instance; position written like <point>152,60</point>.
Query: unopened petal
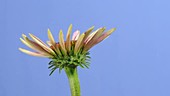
<point>87,33</point>
<point>24,36</point>
<point>61,42</point>
<point>49,43</point>
<point>26,43</point>
<point>33,45</point>
<point>95,37</point>
<point>76,35</point>
<point>51,38</point>
<point>105,35</point>
<point>57,49</point>
<point>68,42</point>
<point>32,53</point>
<point>100,38</point>
<point>42,44</point>
<point>90,36</point>
<point>78,43</point>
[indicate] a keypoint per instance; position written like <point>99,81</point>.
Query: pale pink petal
<point>76,35</point>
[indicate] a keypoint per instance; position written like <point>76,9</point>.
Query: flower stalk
<point>73,80</point>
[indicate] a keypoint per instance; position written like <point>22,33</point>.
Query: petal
<point>61,42</point>
<point>68,42</point>
<point>51,38</point>
<point>85,37</point>
<point>89,38</point>
<point>24,36</point>
<point>52,43</point>
<point>95,36</point>
<point>105,35</point>
<point>100,38</point>
<point>57,49</point>
<point>78,43</point>
<point>49,43</point>
<point>88,32</point>
<point>32,53</point>
<point>33,45</point>
<point>42,44</point>
<point>76,35</point>
<point>26,43</point>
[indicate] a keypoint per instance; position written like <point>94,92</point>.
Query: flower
<point>70,53</point>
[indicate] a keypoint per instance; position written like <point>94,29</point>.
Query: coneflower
<point>69,54</point>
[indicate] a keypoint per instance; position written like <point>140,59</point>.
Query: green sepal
<point>82,60</point>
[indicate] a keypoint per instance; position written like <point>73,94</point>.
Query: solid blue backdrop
<point>133,61</point>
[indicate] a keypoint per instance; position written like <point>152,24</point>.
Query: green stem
<point>73,80</point>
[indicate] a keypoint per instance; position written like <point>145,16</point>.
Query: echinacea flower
<point>66,54</point>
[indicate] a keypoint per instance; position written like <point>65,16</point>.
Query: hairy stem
<point>73,80</point>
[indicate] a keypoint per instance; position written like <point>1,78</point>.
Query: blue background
<point>133,61</point>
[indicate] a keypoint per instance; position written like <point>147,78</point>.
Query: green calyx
<point>71,61</point>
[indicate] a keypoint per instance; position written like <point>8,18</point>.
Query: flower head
<point>70,53</point>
